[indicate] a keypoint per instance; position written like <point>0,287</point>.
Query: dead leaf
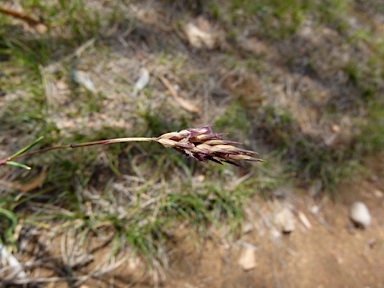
<point>202,34</point>
<point>198,38</point>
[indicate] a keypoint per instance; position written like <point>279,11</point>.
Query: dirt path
<point>312,257</point>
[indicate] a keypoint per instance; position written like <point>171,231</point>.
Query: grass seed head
<point>203,145</point>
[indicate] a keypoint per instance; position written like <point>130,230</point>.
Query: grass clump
<point>281,19</point>
<point>371,137</point>
<point>308,157</point>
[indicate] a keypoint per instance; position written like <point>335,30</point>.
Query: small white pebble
<point>359,214</point>
<point>315,209</point>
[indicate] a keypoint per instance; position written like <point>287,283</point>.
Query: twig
<point>183,103</point>
<point>304,220</point>
<point>20,16</point>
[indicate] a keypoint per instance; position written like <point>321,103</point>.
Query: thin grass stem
<point>77,145</point>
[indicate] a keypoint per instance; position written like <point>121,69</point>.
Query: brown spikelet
<point>203,145</point>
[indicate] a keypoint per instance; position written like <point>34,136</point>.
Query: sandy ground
<point>330,252</point>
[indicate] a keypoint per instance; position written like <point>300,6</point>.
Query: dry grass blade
<point>182,102</point>
<point>203,145</point>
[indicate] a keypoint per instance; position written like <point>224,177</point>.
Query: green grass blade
<point>23,150</point>
<point>16,164</point>
<point>10,215</point>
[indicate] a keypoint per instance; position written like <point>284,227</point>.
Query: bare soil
<point>331,253</point>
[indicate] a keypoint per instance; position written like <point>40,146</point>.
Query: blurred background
<point>300,82</point>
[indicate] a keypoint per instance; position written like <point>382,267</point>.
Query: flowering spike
<point>203,145</point>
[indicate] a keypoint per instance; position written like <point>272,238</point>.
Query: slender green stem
<point>78,145</point>
<point>4,161</point>
<point>41,151</point>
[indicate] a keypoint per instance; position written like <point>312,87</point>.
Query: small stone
<point>359,214</point>
<point>378,193</point>
<point>247,259</point>
<point>247,227</point>
<point>285,220</point>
